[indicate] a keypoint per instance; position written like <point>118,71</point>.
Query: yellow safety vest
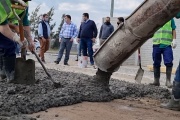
<point>6,11</point>
<point>163,35</point>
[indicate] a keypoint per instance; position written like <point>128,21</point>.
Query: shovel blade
<point>24,71</point>
<point>139,75</point>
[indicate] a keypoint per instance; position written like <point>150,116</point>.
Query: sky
<point>97,9</point>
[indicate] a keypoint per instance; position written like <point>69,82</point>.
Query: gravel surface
<point>22,99</point>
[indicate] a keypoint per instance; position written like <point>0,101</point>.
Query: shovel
<point>56,84</point>
<point>24,69</point>
<point>140,71</point>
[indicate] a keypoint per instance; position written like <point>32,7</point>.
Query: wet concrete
<point>18,117</point>
<point>21,99</point>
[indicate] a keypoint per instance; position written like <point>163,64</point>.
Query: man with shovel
<point>163,42</point>
<point>8,39</point>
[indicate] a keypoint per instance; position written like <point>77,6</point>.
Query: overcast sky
<point>96,8</point>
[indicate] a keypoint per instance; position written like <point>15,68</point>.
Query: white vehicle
<point>37,45</point>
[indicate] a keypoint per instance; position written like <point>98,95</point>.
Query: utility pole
<point>112,8</point>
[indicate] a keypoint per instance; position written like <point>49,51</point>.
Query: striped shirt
<point>68,31</point>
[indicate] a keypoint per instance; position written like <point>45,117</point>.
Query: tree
<point>55,44</point>
<point>50,14</point>
<point>35,19</point>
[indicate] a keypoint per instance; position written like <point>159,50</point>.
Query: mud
<point>21,99</point>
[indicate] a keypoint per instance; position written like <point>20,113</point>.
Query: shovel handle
<point>21,31</point>
<point>33,52</point>
<point>18,7</point>
<point>139,57</point>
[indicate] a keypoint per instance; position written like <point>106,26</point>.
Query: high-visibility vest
<point>163,35</point>
<point>6,11</point>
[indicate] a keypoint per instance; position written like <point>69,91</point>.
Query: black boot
<point>168,77</point>
<point>156,77</point>
<point>9,67</point>
<point>2,72</point>
<point>174,103</point>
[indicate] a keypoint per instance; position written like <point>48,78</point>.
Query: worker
<point>163,42</point>
<point>174,103</point>
<point>8,39</point>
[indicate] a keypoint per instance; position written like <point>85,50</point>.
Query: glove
<point>16,38</point>
<point>174,44</point>
<point>20,2</point>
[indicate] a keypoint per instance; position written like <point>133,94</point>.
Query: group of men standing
<point>86,36</point>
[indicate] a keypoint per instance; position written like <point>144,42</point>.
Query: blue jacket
<point>88,29</point>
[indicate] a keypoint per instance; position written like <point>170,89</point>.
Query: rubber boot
<point>9,67</point>
<point>2,72</point>
<point>168,77</point>
<point>156,77</point>
<point>174,103</point>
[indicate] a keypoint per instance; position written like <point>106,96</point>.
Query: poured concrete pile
<point>21,99</point>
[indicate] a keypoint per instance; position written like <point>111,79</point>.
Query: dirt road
<point>144,109</point>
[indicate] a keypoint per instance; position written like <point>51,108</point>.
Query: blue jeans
<point>177,75</point>
<point>7,55</point>
<point>17,49</point>
<point>86,43</point>
<point>65,44</point>
<point>7,46</point>
<point>167,56</point>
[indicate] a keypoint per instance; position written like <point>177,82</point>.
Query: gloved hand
<point>16,38</point>
<point>174,44</point>
<point>20,2</point>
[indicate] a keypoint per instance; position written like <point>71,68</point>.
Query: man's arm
<point>29,37</point>
<point>6,31</point>
<point>174,34</point>
<point>40,31</point>
<point>75,32</point>
<point>79,31</point>
<point>100,31</point>
<point>173,26</point>
<point>112,29</point>
<point>27,30</point>
<point>95,30</point>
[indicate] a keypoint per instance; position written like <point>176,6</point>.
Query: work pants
<point>44,47</point>
<point>65,44</point>
<point>87,43</point>
<point>167,54</point>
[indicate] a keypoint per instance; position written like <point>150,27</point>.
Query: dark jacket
<point>88,30</point>
<point>106,30</point>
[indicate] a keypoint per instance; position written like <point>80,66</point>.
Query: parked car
<point>37,44</point>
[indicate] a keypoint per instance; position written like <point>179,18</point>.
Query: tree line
<point>35,19</point>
